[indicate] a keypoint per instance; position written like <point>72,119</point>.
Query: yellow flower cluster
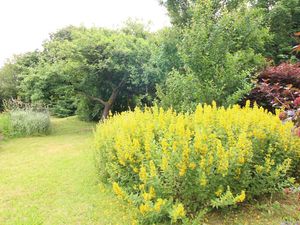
<point>159,203</point>
<point>145,208</point>
<point>118,190</point>
<point>241,197</point>
<point>149,195</point>
<point>178,212</point>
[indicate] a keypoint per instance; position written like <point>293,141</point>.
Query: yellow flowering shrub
<point>170,165</point>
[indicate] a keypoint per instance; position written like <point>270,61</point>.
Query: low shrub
<point>172,165</point>
<point>29,123</point>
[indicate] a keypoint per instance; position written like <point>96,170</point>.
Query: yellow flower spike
<point>182,169</point>
<point>152,192</point>
<point>152,169</point>
<point>158,204</point>
<point>202,163</point>
<point>118,191</point>
<point>164,146</point>
<point>164,164</point>
<point>174,146</point>
<point>203,180</point>
<point>143,174</point>
<point>214,105</point>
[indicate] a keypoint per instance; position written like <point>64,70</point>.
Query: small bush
<point>29,123</point>
<point>171,165</point>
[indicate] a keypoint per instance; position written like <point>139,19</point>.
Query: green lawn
<point>51,180</point>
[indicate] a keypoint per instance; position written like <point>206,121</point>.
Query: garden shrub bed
<point>172,165</point>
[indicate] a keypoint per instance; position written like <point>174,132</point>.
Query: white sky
<point>25,24</point>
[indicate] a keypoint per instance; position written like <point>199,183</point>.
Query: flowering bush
<point>171,165</point>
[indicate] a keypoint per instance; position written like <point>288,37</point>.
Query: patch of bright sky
<point>25,24</point>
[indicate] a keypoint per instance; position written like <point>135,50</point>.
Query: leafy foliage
<point>171,165</point>
<point>10,74</point>
<point>220,55</point>
<point>284,21</point>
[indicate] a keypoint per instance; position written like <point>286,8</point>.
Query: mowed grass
<point>52,180</point>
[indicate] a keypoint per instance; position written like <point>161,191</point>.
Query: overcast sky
<point>25,24</point>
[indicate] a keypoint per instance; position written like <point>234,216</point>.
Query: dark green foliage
<point>284,21</point>
<point>87,110</point>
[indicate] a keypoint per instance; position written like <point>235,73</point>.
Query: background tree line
<point>212,51</point>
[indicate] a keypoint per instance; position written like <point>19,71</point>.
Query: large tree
<point>92,69</point>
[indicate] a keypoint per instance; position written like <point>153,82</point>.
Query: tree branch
<point>93,98</point>
<point>97,99</point>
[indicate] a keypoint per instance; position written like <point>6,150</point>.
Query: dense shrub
<point>277,87</point>
<point>171,165</point>
<point>29,122</point>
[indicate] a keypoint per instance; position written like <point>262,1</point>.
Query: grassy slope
<point>51,180</point>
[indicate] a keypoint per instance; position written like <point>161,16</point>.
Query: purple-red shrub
<point>278,87</point>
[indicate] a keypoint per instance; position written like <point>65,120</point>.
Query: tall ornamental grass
<point>172,165</point>
<point>29,122</point>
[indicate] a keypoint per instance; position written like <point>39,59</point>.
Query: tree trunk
<point>106,110</point>
<point>108,105</point>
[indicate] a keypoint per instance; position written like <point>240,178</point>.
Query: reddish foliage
<point>285,73</point>
<point>278,87</point>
